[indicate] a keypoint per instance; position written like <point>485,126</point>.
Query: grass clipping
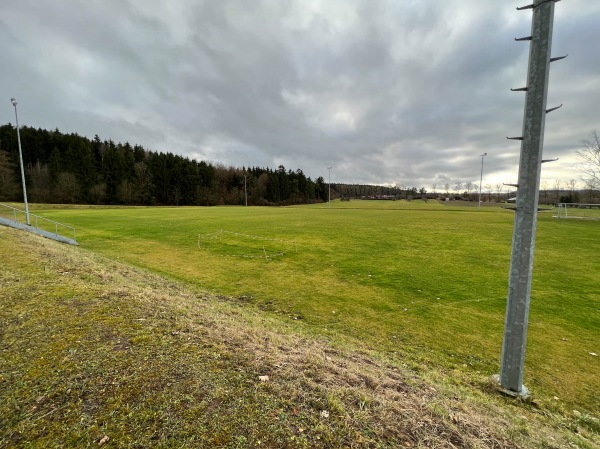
<point>98,353</point>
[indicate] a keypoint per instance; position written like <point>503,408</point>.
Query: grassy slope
<point>95,350</point>
<point>406,278</point>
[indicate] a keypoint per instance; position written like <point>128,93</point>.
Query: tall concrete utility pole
<point>523,242</point>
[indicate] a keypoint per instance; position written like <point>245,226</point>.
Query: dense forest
<point>68,168</point>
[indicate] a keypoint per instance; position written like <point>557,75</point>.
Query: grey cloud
<point>386,92</point>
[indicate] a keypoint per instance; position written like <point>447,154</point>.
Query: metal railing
<point>37,222</point>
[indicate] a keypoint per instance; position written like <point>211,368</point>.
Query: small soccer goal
<point>581,211</point>
<point>236,244</point>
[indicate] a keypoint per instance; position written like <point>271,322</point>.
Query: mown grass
<point>97,353</point>
<point>420,280</point>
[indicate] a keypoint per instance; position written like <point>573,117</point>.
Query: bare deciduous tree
<point>557,187</point>
<point>591,192</point>
<point>499,188</point>
<point>469,187</point>
<point>67,188</point>
<point>589,161</point>
<point>573,194</point>
<point>488,189</point>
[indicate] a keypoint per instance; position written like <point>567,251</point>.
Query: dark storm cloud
<point>406,92</point>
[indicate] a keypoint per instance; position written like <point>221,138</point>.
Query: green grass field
<point>426,282</point>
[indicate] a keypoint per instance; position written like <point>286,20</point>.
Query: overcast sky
<point>406,92</point>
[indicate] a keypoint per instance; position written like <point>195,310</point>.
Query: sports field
<point>426,282</point>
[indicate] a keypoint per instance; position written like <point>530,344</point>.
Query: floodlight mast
<point>329,168</point>
<point>481,180</point>
<point>14,103</point>
<point>523,242</point>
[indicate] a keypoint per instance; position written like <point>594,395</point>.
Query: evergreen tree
<point>9,187</point>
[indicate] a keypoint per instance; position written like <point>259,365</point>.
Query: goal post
<point>586,211</point>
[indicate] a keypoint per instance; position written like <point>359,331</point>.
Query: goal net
<point>235,244</point>
<point>578,210</point>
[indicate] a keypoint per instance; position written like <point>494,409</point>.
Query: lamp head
<point>13,101</point>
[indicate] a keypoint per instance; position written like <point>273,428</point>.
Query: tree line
<point>68,168</point>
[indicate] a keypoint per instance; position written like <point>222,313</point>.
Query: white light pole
<point>481,180</point>
<point>14,102</point>
<point>329,168</point>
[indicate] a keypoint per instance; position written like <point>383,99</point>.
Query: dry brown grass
<point>99,353</point>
